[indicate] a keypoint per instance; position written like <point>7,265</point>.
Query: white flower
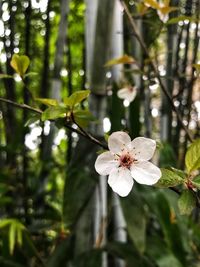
<point>128,160</point>
<point>127,93</point>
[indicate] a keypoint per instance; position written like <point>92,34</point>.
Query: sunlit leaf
<point>167,9</point>
<point>12,236</point>
<point>186,202</point>
<point>47,101</point>
<point>20,64</point>
<point>141,8</point>
<point>76,98</point>
<point>120,60</point>
<point>19,236</point>
<point>192,158</point>
<point>169,178</point>
<point>4,222</point>
<point>151,3</point>
<point>53,113</point>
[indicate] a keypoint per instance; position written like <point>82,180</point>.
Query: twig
<point>22,106</point>
<point>140,40</point>
<point>175,190</point>
<point>81,132</point>
<point>87,135</point>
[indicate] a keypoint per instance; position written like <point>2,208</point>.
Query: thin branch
<point>81,132</point>
<point>22,106</point>
<point>140,40</point>
<point>87,135</point>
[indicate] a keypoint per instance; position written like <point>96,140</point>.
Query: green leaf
<point>19,236</point>
<point>192,158</point>
<point>47,101</point>
<point>12,236</point>
<point>169,178</point>
<point>129,253</point>
<point>53,113</point>
<point>134,214</point>
<point>80,182</point>
<point>20,64</point>
<point>83,117</point>
<point>76,98</point>
<point>120,60</point>
<point>61,254</point>
<point>186,202</point>
<point>152,3</point>
<point>4,222</point>
<point>178,172</point>
<point>92,258</point>
<point>196,181</point>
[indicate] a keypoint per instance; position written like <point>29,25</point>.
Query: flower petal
<point>145,173</point>
<point>117,141</point>
<point>143,148</point>
<point>127,93</point>
<point>105,163</point>
<point>120,181</point>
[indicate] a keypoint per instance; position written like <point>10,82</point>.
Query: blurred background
<point>54,209</point>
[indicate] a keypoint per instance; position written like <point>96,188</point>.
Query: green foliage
<point>170,228</point>
<point>169,178</point>
<point>167,155</point>
<point>52,186</point>
<point>15,232</point>
<point>192,158</point>
<point>152,27</point>
<point>20,64</point>
<point>76,98</point>
<point>47,101</point>
<point>129,253</point>
<point>80,183</point>
<point>134,213</point>
<point>186,202</point>
<point>120,60</point>
<point>53,113</point>
<point>196,181</point>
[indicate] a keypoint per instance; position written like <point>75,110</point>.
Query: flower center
<point>126,160</point>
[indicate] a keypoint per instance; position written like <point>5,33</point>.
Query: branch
<point>22,106</point>
<point>162,86</point>
<point>87,135</point>
<point>81,132</point>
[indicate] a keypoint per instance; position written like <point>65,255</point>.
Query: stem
<point>140,40</point>
<point>81,132</point>
<point>87,135</point>
<point>22,106</point>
